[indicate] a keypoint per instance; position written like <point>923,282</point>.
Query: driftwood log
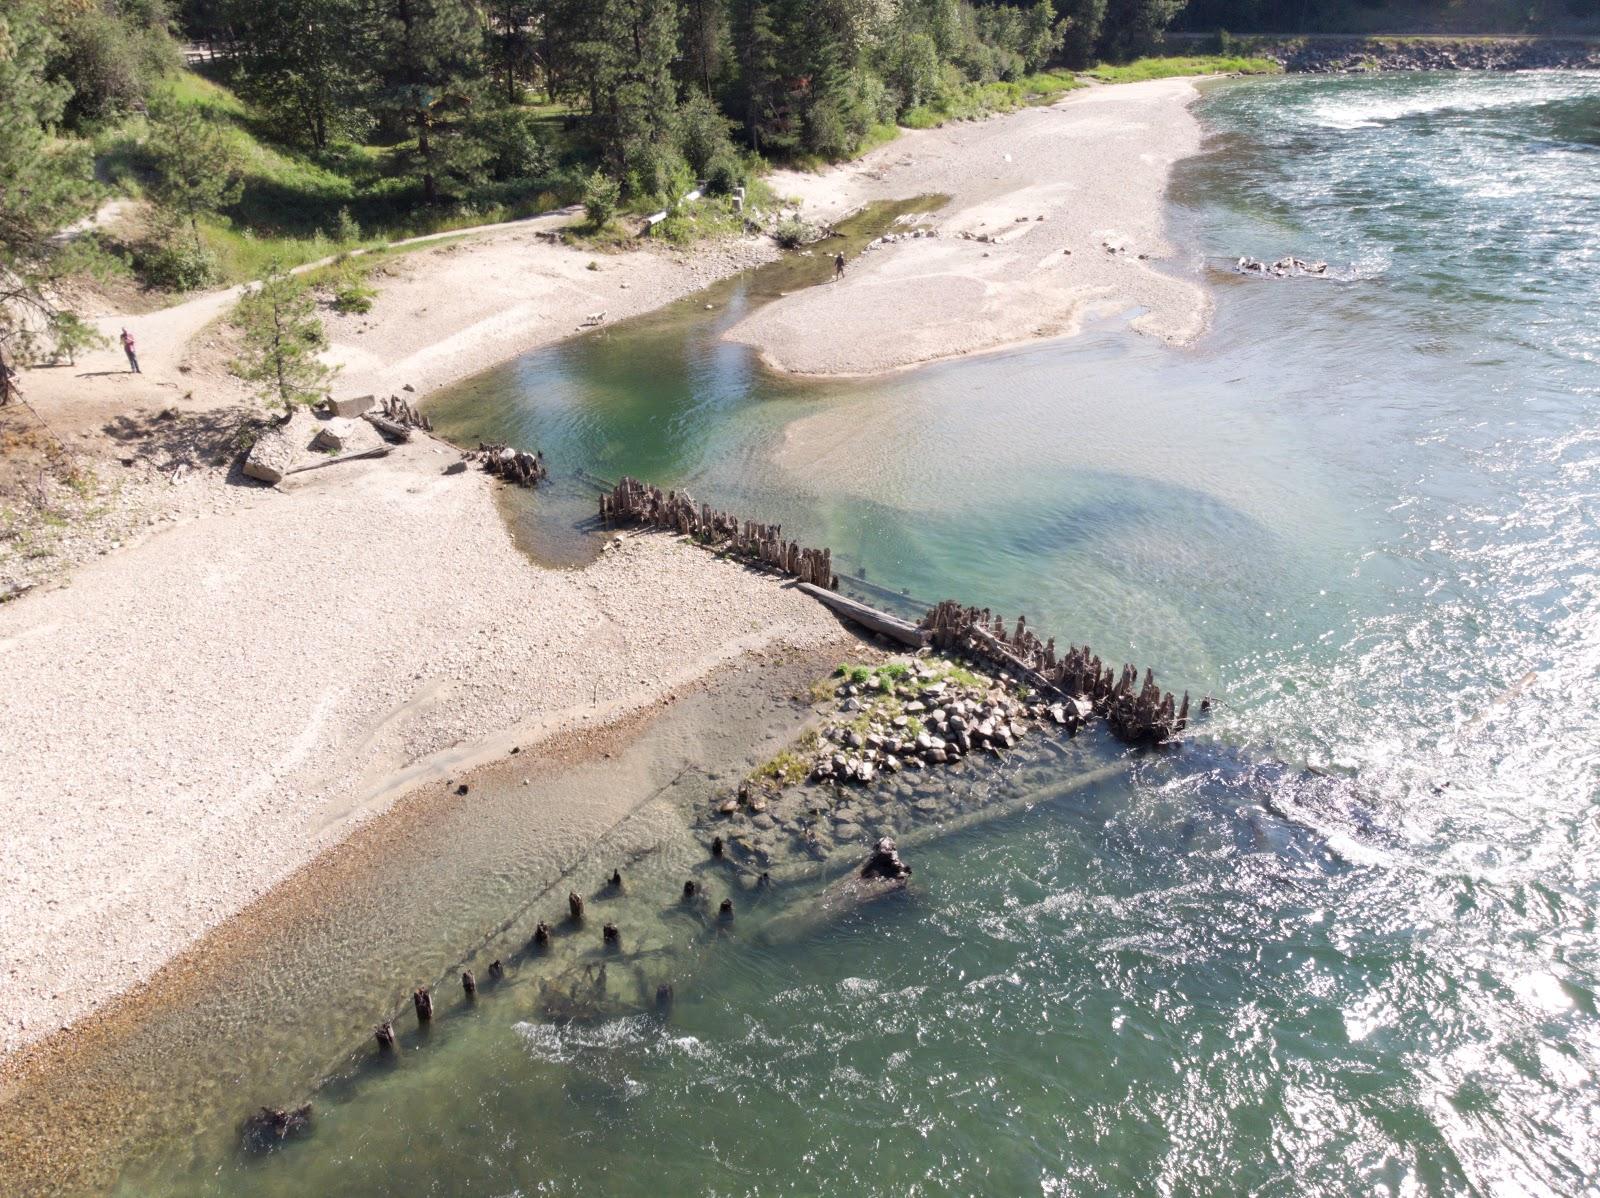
<point>633,502</point>
<point>389,428</point>
<point>870,618</point>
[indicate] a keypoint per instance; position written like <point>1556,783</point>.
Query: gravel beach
<point>1053,213</point>
<point>198,715</point>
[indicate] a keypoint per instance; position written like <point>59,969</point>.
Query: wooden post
<point>541,936</point>
<point>469,984</point>
<point>610,937</point>
<point>575,906</point>
<point>423,1001</point>
<point>497,971</point>
<point>385,1035</point>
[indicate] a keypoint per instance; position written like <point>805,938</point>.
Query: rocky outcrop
<point>1335,56</point>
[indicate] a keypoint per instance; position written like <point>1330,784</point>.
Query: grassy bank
<point>986,99</point>
<point>1141,70</point>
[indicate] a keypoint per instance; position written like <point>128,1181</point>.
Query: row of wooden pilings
<point>610,939</point>
<point>634,502</point>
<point>1134,712</point>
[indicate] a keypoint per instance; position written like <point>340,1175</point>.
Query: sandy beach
<point>194,718</point>
<point>1054,213</point>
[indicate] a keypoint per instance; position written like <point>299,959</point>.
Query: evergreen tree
<point>1084,21</point>
<point>283,335</point>
<point>512,25</point>
<point>1134,27</point>
<point>43,186</point>
<point>198,168</point>
<point>303,63</point>
<point>431,52</point>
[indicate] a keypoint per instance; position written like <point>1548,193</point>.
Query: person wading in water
<point>128,348</point>
<point>838,266</point>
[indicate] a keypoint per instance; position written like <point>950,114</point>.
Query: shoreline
<point>205,1001</point>
<point>1056,215</point>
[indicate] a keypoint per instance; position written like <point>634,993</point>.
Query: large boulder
<point>351,407</point>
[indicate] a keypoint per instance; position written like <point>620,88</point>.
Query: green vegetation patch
<point>1141,70</point>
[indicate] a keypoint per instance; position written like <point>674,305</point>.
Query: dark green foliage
<point>111,54</point>
<point>197,166</point>
<point>601,198</point>
<point>282,337</point>
<point>429,53</point>
<point>42,187</point>
<point>303,64</point>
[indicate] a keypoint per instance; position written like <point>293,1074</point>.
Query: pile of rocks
<point>927,718</point>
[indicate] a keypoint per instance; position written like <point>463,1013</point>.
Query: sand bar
<point>1094,166</point>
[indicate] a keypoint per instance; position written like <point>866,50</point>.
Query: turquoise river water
<point>1363,512</point>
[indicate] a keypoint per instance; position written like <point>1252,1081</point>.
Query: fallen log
<point>389,428</point>
<point>382,451</point>
<point>870,618</point>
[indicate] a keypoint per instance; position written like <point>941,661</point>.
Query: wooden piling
<point>423,1002</point>
<point>469,984</point>
<point>631,502</point>
<point>384,1033</point>
<point>575,906</point>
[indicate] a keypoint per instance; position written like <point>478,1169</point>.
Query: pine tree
<point>432,52</point>
<point>42,187</point>
<point>198,169</point>
<point>283,335</point>
<point>303,63</point>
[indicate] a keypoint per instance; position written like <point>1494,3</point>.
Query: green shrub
<point>601,198</point>
<point>174,264</point>
<point>793,232</point>
<point>353,294</point>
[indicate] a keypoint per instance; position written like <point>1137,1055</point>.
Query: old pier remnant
<point>423,1001</point>
<point>384,1034</point>
<point>270,1126</point>
<point>634,502</point>
<point>1135,712</point>
<point>469,984</point>
<point>513,465</point>
<point>575,906</point>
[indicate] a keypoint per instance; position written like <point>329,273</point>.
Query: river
<point>1363,512</point>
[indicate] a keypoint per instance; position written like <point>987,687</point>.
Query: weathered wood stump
<point>271,1126</point>
<point>541,936</point>
<point>423,1002</point>
<point>469,984</point>
<point>574,906</point>
<point>384,1033</point>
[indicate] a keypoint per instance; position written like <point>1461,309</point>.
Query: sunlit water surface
<point>1361,512</point>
